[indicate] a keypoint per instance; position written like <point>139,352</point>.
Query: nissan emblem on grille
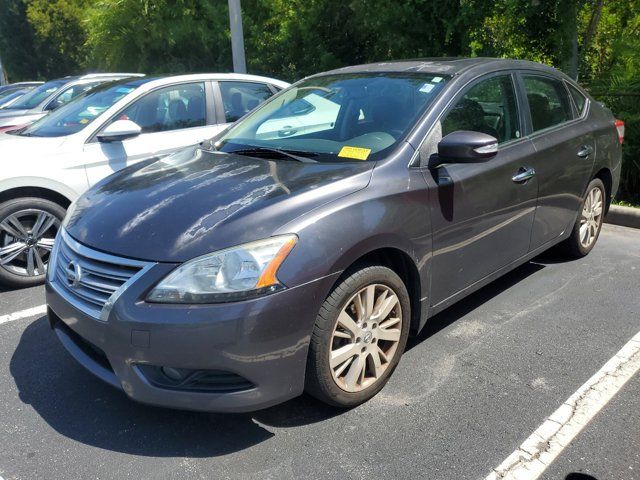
<point>74,274</point>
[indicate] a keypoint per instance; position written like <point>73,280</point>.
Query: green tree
<point>60,31</point>
<point>17,49</point>
<point>159,36</point>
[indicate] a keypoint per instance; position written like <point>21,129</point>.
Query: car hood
<point>9,118</point>
<point>196,202</point>
<point>10,112</point>
<point>34,149</point>
<point>28,150</point>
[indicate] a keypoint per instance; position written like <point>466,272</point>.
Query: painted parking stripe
<point>538,451</point>
<point>29,312</point>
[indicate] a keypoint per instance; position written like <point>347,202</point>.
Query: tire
<point>335,384</point>
<point>575,246</point>
<point>18,220</point>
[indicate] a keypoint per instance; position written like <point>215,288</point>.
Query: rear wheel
<point>28,227</point>
<point>589,223</point>
<point>359,337</point>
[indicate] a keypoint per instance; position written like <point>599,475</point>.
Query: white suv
<point>46,165</point>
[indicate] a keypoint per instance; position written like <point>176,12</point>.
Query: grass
<point>624,203</point>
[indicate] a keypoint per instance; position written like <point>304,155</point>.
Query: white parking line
<point>29,312</point>
<point>538,451</point>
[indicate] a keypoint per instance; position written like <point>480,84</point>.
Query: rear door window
<point>579,100</point>
<point>239,98</point>
<point>549,102</point>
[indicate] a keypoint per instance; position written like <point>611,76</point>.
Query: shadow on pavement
<point>473,301</point>
<point>579,476</point>
<point>81,407</point>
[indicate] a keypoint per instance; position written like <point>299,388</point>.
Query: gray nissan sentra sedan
<point>300,248</point>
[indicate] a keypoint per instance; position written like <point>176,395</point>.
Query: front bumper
<point>263,341</point>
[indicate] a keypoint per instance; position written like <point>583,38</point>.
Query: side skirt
<point>434,309</point>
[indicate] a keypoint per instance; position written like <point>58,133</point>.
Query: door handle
<point>585,151</point>
<point>524,174</point>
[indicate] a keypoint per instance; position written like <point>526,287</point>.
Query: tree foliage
<point>159,35</point>
<point>60,32</point>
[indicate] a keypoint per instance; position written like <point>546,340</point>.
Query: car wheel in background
<point>28,227</point>
<point>358,338</point>
<point>589,223</point>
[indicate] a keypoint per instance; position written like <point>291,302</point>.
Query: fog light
<point>174,373</point>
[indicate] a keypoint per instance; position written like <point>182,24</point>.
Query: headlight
<point>232,274</point>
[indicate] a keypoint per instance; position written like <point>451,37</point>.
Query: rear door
<point>480,212</point>
<point>171,118</point>
<point>564,154</point>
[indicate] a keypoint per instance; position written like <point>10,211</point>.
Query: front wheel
<point>589,223</point>
<point>359,336</point>
<point>28,227</point>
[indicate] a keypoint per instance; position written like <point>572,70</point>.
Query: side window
<point>548,101</point>
<point>169,108</point>
<point>69,94</point>
<point>579,100</point>
<point>240,98</point>
<point>488,107</point>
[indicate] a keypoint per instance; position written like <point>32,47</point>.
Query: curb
<point>624,216</point>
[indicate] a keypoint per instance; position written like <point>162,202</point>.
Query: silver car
<point>51,95</point>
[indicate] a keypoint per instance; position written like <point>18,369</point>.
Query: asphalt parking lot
<point>477,382</point>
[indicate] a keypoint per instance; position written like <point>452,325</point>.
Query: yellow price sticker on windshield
<point>355,152</point>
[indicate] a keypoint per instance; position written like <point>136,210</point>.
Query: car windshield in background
<point>334,118</point>
<point>79,113</point>
<point>11,96</point>
<point>37,95</point>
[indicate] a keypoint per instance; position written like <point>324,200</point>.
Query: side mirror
<point>119,130</point>
<point>467,147</point>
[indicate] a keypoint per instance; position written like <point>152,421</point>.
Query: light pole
<point>3,76</point>
<point>237,37</point>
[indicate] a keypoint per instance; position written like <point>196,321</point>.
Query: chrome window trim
<point>101,257</point>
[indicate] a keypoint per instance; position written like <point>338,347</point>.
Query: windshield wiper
<point>294,155</point>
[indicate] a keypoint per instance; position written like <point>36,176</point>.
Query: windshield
<point>77,114</point>
<point>37,95</point>
<point>10,97</point>
<point>336,118</point>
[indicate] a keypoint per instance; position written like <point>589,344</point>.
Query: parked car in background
<point>49,163</point>
<point>17,86</point>
<point>51,95</point>
<point>8,98</point>
<point>235,277</point>
<point>10,93</point>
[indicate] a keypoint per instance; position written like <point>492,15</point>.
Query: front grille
<point>90,279</point>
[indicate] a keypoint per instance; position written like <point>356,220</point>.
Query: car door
<point>481,213</point>
<point>564,157</point>
<point>170,117</point>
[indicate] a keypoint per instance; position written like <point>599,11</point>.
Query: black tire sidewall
<point>319,379</point>
<point>12,206</point>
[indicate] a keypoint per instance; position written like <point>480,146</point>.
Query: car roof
<point>170,79</point>
<point>442,65</point>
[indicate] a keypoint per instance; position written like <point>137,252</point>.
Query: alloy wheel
<point>365,337</point>
<point>26,241</point>
<point>591,217</point>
